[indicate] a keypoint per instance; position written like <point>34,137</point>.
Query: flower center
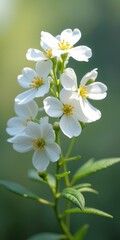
<point>83,91</point>
<point>48,53</point>
<point>27,120</point>
<point>68,109</point>
<point>36,82</point>
<point>64,45</point>
<point>38,144</point>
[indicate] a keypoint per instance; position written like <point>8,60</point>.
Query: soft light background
<point>21,22</point>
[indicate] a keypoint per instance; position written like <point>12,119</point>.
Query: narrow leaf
<point>74,196</point>
<point>88,189</point>
<point>80,234</point>
<point>91,167</point>
<point>89,211</point>
<point>61,175</point>
<point>22,191</point>
<point>81,185</point>
<point>47,236</point>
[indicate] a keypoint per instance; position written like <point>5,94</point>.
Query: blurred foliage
<point>21,22</point>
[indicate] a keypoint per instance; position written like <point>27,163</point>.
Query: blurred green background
<point>21,22</point>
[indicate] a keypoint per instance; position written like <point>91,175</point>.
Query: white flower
<point>41,139</point>
<point>88,89</point>
<point>25,113</point>
<point>37,82</point>
<point>63,43</point>
<point>68,109</point>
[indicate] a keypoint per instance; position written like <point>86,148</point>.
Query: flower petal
<point>33,130</point>
<point>35,55</point>
<point>22,143</point>
<point>96,90</point>
<point>40,160</point>
<point>15,126</point>
<point>66,96</point>
<point>27,110</point>
<point>53,107</point>
<point>48,41</point>
<point>26,96</point>
<point>68,79</point>
<point>53,151</point>
<point>43,89</point>
<point>80,53</point>
<point>47,133</point>
<point>44,68</point>
<point>27,76</point>
<point>89,111</point>
<point>71,36</point>
<point>70,126</point>
<point>89,76</point>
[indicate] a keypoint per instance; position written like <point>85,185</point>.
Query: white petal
<point>44,119</point>
<point>26,96</point>
<point>42,90</point>
<point>28,74</point>
<point>96,90</point>
<point>81,53</point>
<point>47,132</point>
<point>33,130</point>
<point>35,55</point>
<point>48,41</point>
<point>66,96</point>
<point>89,76</point>
<point>22,144</point>
<point>15,126</point>
<point>53,152</point>
<point>68,79</point>
<point>23,82</point>
<point>44,68</point>
<point>71,36</point>
<point>27,110</point>
<point>70,126</point>
<point>40,160</point>
<point>89,111</point>
<point>53,107</point>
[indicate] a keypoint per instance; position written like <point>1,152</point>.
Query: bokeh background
<point>21,22</point>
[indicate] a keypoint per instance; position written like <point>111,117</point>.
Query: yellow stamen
<point>83,91</point>
<point>38,144</point>
<point>64,45</point>
<point>68,109</point>
<point>36,82</point>
<point>27,120</point>
<point>48,53</point>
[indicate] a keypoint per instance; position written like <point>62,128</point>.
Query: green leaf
<point>61,175</point>
<point>89,211</point>
<point>74,196</point>
<point>88,189</point>
<point>47,236</point>
<point>80,234</point>
<point>81,185</point>
<point>22,191</point>
<point>85,187</point>
<point>91,167</point>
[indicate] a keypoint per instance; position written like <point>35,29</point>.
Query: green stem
<point>70,147</point>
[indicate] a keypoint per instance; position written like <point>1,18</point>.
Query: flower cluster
<point>66,100</point>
